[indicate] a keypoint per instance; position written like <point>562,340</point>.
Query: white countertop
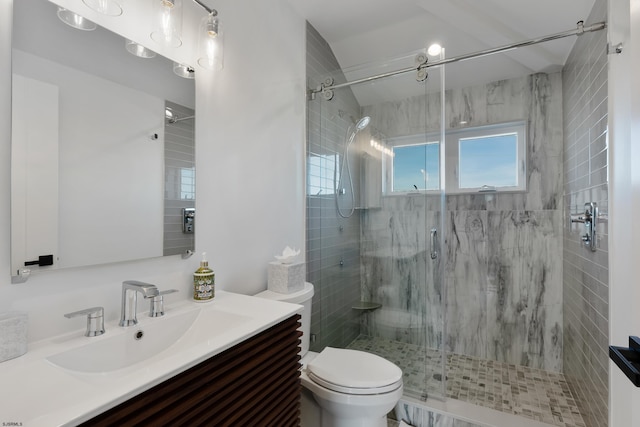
<point>34,392</point>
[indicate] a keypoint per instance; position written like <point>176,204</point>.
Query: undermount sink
<point>123,347</point>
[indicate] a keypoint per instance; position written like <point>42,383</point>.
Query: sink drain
<point>138,335</point>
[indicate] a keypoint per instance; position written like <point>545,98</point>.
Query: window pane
<point>187,183</point>
<point>320,173</point>
<point>416,167</point>
<point>489,160</point>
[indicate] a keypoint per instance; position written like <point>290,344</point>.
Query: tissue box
<point>13,335</point>
<point>285,278</point>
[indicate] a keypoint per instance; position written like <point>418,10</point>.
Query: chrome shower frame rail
<point>327,89</point>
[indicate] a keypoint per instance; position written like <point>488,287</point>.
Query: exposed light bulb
<point>211,26</point>
<point>210,48</point>
<point>167,16</point>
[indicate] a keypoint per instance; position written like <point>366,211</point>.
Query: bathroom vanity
<point>234,362</point>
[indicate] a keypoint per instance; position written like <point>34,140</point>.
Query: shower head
<point>359,125</point>
<point>363,123</point>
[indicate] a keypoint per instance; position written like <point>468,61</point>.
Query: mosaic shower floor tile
<point>532,393</point>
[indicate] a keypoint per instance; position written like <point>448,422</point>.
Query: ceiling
<point>376,31</point>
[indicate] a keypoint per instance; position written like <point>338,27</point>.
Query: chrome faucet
<point>130,289</point>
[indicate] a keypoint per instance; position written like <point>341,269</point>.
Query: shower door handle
<point>434,242</point>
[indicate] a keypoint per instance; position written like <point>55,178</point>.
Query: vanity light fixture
<point>184,71</point>
<point>74,20</point>
<point>138,50</point>
<point>167,22</point>
<point>210,45</point>
<point>105,7</point>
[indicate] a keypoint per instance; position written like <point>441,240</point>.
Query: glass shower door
<point>375,222</point>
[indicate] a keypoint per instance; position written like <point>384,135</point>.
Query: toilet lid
<point>354,372</point>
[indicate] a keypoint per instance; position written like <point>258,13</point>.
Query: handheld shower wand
<point>359,126</point>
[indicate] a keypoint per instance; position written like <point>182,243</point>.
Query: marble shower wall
<point>503,251</point>
<point>398,272</point>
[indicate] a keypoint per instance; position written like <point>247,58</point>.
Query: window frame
<point>408,141</point>
<point>452,157</point>
<point>452,152</point>
<point>323,181</point>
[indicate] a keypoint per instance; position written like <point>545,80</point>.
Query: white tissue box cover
<point>13,335</point>
<point>286,278</point>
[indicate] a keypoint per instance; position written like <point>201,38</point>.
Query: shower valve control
<point>588,218</point>
<point>188,220</point>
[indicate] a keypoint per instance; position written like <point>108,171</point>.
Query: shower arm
<point>580,29</point>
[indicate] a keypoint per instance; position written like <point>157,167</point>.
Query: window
<point>416,167</point>
<point>188,183</point>
<point>488,158</point>
<point>321,170</point>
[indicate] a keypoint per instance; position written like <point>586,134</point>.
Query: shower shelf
<point>366,306</point>
<point>628,359</point>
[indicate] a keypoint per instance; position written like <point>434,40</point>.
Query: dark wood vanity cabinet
<point>255,383</point>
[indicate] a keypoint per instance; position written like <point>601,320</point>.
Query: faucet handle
<point>157,303</point>
<point>95,320</point>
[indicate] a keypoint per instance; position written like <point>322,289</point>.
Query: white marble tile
<point>466,277</point>
<point>502,274</point>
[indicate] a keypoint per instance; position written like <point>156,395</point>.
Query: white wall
<point>250,149</point>
<point>250,171</point>
<point>624,231</point>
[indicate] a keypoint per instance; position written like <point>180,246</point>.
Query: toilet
<point>349,388</point>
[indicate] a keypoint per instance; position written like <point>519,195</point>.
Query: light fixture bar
<point>207,8</point>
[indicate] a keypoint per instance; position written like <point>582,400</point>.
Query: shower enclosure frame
<point>328,87</point>
<point>366,307</point>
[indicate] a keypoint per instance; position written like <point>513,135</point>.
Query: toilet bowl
<point>351,388</point>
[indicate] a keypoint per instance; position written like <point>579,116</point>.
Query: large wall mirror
<point>103,147</point>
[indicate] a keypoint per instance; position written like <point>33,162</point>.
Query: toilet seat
<point>354,372</point>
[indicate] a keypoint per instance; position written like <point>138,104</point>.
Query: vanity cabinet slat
<point>256,382</point>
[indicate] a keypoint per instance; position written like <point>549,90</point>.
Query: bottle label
<point>203,286</point>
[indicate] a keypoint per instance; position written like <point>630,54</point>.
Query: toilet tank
<point>302,297</point>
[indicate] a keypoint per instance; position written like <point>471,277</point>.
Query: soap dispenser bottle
<point>204,281</point>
